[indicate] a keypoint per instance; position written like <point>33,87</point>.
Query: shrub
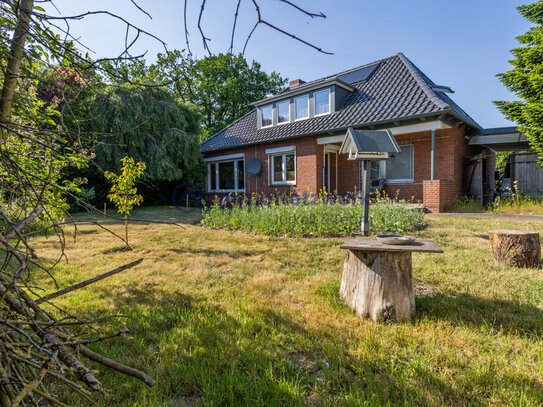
<point>310,217</point>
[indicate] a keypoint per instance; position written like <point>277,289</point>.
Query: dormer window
<point>283,112</point>
<point>267,115</point>
<point>301,107</point>
<point>322,102</point>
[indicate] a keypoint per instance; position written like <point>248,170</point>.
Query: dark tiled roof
<point>396,90</point>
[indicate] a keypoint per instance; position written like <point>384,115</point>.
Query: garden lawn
<point>229,318</point>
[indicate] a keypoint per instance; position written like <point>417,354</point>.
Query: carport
<point>523,169</point>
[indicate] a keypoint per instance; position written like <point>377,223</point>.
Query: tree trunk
<point>126,231</point>
<point>516,248</point>
<point>378,285</point>
<point>14,59</point>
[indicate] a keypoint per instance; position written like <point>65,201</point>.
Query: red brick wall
<point>306,163</point>
<point>451,150</point>
<point>438,194</point>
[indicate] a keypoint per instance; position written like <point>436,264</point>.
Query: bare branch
<point>88,282</point>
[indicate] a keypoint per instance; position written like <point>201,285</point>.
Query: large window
<point>301,107</point>
<point>267,116</point>
<point>226,176</point>
<point>283,112</point>
<point>322,102</point>
<point>283,168</point>
<point>400,167</point>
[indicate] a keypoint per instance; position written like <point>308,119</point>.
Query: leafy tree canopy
<point>525,79</point>
<point>222,86</point>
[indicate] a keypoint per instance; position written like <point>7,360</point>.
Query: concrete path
<point>503,216</point>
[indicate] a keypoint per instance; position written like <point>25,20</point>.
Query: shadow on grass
<point>261,356</point>
<point>512,317</point>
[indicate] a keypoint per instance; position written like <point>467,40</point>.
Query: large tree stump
<point>516,248</point>
<point>378,285</point>
<point>377,279</point>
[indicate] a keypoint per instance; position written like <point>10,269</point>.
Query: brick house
<point>289,142</point>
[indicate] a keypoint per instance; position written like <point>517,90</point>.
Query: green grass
<point>314,219</point>
<point>465,204</point>
<point>228,318</point>
<point>519,204</point>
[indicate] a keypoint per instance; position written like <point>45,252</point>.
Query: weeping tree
<point>146,123</point>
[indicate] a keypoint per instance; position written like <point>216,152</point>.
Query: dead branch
<point>112,364</point>
<point>88,282</point>
<point>15,232</point>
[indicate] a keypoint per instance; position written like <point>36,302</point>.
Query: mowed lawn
<point>228,318</point>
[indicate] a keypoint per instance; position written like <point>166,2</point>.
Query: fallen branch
<point>87,282</point>
<point>16,230</point>
<point>148,380</point>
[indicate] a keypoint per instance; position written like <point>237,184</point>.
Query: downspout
<point>433,157</point>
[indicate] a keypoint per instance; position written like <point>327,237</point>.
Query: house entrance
<point>329,170</point>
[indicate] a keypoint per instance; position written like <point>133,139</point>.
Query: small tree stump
<point>516,248</point>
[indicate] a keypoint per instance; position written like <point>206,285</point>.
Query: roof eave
<point>367,124</point>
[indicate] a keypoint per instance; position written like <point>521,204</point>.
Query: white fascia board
<point>424,126</point>
<point>280,149</point>
<point>224,158</point>
<point>331,139</point>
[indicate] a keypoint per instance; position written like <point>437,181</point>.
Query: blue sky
<point>462,44</point>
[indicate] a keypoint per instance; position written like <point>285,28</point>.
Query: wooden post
<point>105,203</point>
<point>516,248</point>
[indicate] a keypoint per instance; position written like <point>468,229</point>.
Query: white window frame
<point>285,102</point>
<point>405,180</point>
<point>214,163</point>
<point>295,110</point>
<point>282,152</point>
<point>329,102</point>
<point>262,116</point>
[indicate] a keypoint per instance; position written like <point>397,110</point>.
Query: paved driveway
<point>488,216</point>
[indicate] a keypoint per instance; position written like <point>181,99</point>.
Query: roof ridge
<point>414,71</point>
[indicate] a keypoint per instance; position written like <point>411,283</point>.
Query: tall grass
<point>318,217</point>
<point>518,203</point>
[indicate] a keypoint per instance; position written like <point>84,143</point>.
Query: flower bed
<point>295,216</point>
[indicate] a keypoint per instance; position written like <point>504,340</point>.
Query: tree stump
<point>516,248</point>
<point>378,284</point>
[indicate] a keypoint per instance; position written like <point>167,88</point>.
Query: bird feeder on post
<point>367,146</point>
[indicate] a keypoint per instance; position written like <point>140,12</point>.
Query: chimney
<point>295,83</point>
